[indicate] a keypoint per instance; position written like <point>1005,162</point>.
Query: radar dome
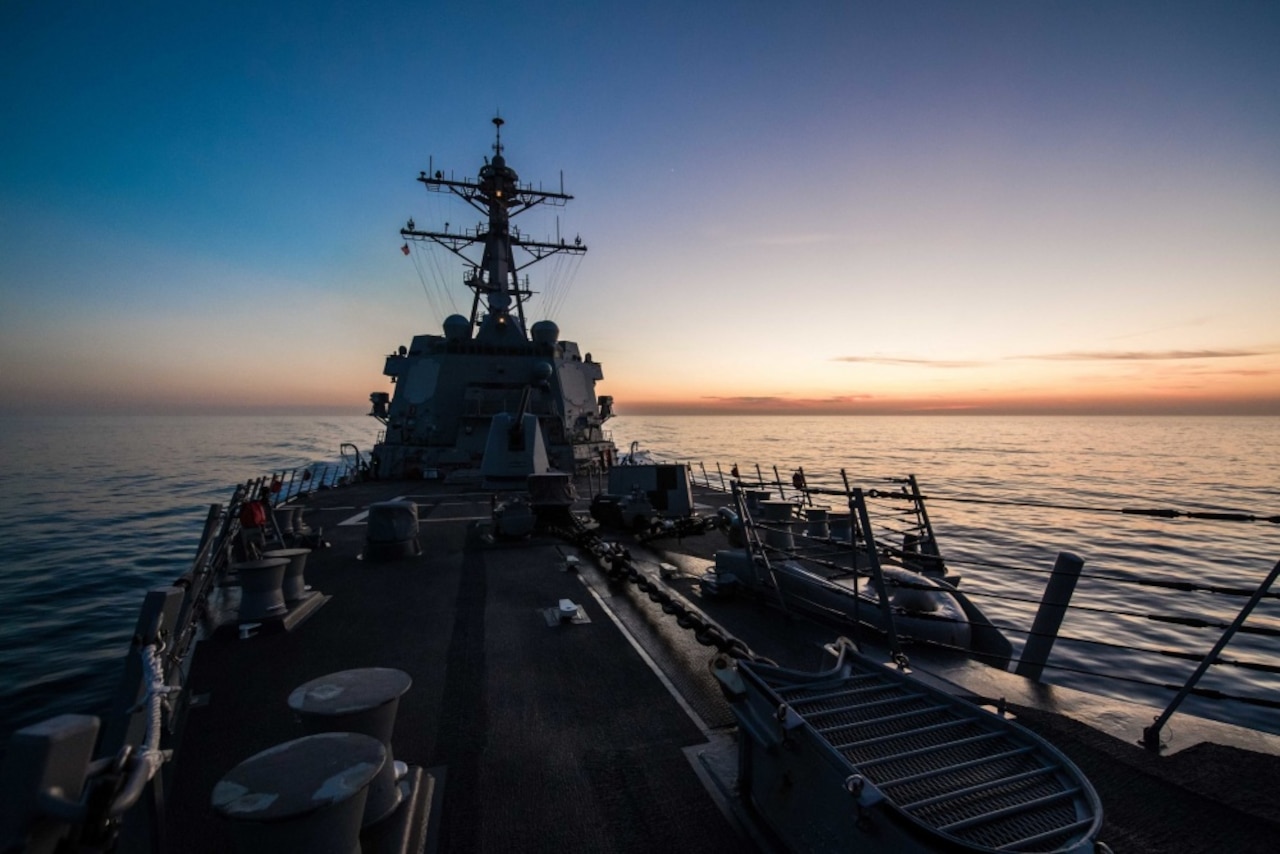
<point>546,332</point>
<point>457,328</point>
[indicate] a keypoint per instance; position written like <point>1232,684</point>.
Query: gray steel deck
<point>551,737</point>
<point>540,737</point>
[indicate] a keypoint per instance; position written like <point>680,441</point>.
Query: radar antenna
<point>497,194</point>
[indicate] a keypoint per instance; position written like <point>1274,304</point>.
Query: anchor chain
<point>679,528</point>
<point>616,562</point>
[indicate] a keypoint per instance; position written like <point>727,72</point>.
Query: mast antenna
<point>498,123</point>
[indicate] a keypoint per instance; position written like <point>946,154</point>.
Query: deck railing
<point>113,797</point>
<point>1114,597</point>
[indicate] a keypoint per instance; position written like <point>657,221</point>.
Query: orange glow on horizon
<point>248,382</point>
<point>1038,404</point>
<point>1188,386</point>
<point>293,392</point>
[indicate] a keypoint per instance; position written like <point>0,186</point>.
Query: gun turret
<point>516,432</point>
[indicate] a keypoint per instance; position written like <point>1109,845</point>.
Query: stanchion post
<point>1053,608</point>
<point>1151,734</point>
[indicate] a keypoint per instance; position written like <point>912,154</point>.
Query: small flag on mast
<point>405,249</point>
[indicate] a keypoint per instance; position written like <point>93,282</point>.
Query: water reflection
<point>1192,464</point>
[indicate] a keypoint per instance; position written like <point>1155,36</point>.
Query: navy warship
<point>494,632</point>
<point>455,392</point>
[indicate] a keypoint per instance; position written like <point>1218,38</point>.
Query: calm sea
<point>97,510</point>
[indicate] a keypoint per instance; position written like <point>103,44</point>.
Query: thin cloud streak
<point>1072,356</point>
<point>1145,356</point>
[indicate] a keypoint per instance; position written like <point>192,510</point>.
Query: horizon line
<point>1265,411</point>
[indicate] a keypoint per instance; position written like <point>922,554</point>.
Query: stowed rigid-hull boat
<point>468,664</point>
<point>828,563</point>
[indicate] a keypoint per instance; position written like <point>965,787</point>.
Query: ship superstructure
<point>491,394</point>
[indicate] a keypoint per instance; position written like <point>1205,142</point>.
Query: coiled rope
<point>147,760</point>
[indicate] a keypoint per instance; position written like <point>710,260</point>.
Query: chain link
<point>617,564</point>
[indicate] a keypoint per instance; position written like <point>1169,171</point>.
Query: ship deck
<point>608,733</point>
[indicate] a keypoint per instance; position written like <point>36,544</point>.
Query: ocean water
<point>97,510</point>
<point>1006,495</point>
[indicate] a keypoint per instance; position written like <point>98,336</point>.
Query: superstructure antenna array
<point>498,194</point>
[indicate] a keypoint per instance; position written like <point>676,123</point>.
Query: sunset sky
<point>816,206</point>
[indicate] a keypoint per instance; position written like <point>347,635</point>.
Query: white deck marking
<point>648,659</point>
<point>360,517</point>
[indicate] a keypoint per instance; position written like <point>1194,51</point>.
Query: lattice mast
<point>495,278</point>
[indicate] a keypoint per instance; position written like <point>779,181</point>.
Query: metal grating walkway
<point>948,767</point>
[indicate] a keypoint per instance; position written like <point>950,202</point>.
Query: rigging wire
<point>432,265</point>
<point>1242,664</point>
<point>1152,512</point>
<point>1188,622</point>
<point>1176,619</point>
<point>551,292</point>
<point>818,556</point>
<point>1179,586</point>
<point>1203,693</point>
<point>443,267</point>
<point>572,266</point>
<point>561,278</point>
<point>431,272</point>
<point>415,257</point>
<point>1176,586</point>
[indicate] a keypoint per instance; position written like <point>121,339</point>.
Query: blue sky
<point>837,207</point>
